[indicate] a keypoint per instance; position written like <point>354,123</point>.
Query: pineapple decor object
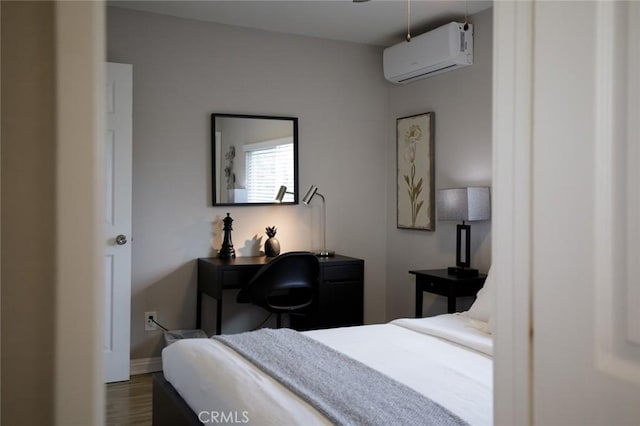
<point>272,245</point>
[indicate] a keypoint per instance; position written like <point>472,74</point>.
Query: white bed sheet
<point>210,377</point>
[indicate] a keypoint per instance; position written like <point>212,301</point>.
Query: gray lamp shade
<point>464,204</point>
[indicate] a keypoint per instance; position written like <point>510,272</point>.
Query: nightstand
<point>438,281</point>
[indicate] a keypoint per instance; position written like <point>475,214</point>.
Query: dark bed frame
<point>169,409</point>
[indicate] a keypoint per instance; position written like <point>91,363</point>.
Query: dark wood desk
<point>340,300</point>
<point>438,281</point>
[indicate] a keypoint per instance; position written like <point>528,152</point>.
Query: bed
<point>447,359</point>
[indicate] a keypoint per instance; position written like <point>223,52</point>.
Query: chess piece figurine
<point>227,251</point>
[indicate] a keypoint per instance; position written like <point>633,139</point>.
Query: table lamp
<point>313,191</point>
<point>466,205</point>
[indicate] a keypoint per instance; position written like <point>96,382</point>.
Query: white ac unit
<point>444,49</point>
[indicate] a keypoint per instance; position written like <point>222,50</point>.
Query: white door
<point>586,299</point>
<point>578,214</point>
<point>117,254</point>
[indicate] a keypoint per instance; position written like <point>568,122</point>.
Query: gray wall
<point>185,70</point>
<point>461,100</point>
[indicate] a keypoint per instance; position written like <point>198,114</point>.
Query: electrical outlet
<point>148,324</point>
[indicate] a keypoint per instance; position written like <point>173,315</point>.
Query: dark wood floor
<point>129,403</point>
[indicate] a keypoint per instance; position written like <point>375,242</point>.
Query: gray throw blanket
<point>346,391</point>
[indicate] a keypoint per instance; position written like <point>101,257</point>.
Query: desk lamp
<point>463,204</point>
<point>313,190</point>
<point>281,193</point>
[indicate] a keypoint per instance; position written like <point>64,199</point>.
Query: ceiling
<point>376,22</point>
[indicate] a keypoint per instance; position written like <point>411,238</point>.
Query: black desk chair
<point>285,285</point>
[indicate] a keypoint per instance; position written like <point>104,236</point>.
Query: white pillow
<point>482,308</point>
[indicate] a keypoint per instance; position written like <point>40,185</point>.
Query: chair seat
<point>286,303</point>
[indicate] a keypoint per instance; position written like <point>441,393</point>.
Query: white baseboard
<point>145,365</point>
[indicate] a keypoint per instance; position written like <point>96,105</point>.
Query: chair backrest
<point>287,283</point>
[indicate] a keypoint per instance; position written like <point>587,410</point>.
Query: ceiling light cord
<point>408,20</point>
<point>466,12</point>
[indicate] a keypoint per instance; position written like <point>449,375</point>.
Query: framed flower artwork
<point>415,173</point>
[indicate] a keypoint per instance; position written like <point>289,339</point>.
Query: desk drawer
<point>435,287</point>
<point>237,278</point>
<point>342,273</point>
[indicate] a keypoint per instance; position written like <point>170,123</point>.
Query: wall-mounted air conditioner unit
<point>444,49</point>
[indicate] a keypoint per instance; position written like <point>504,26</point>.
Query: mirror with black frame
<point>253,156</point>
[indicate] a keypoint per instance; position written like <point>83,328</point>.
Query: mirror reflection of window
<point>268,165</point>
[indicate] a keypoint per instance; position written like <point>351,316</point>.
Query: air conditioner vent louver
<point>444,49</point>
<point>418,77</point>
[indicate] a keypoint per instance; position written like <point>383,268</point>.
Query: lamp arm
<point>324,223</point>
